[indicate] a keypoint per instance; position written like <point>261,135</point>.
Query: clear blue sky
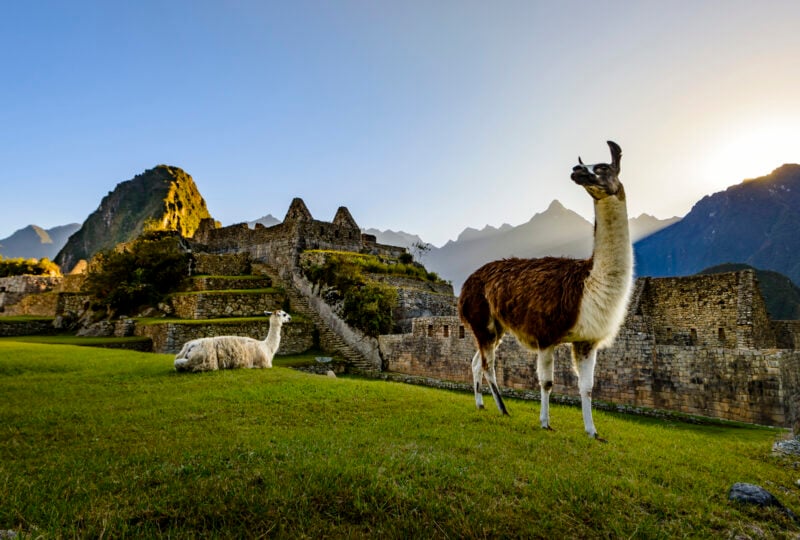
<point>416,115</point>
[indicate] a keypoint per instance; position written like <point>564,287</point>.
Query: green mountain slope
<point>163,198</point>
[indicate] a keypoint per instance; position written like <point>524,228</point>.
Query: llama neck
<point>613,254</point>
<point>274,334</point>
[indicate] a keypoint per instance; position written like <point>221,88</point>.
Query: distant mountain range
<point>163,198</point>
<point>395,238</point>
<point>557,231</point>
<point>756,222</point>
<point>267,221</point>
<point>34,242</point>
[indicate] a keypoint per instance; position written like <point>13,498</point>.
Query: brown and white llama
<point>553,300</point>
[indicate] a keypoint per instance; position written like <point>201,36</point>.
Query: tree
<point>138,274</point>
<point>420,249</point>
<point>20,266</point>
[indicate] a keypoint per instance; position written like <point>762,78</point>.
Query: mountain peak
<point>36,242</point>
<point>164,197</point>
<point>754,222</point>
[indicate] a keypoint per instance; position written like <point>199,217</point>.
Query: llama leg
<point>477,377</point>
<point>544,369</point>
<point>491,378</point>
<point>584,355</point>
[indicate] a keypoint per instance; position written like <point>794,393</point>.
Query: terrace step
<point>329,340</point>
<point>220,304</point>
<point>224,283</point>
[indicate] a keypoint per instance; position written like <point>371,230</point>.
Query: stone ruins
<point>700,345</point>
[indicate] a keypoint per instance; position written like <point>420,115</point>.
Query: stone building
<point>281,245</point>
<point>701,345</point>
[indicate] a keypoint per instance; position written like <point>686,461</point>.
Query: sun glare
<point>751,152</point>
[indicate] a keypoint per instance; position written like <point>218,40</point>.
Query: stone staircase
<point>329,340</point>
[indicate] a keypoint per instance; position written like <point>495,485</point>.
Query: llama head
<point>279,316</point>
<point>601,180</point>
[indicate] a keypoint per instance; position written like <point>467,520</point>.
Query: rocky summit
<point>162,198</point>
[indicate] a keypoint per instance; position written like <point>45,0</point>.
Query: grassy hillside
<point>114,443</point>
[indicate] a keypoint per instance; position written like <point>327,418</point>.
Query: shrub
<point>366,306</point>
<point>20,266</point>
<point>137,274</point>
<point>369,307</point>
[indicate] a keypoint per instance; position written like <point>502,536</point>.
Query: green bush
<point>366,305</point>
<point>139,274</point>
<point>20,266</point>
<point>369,308</point>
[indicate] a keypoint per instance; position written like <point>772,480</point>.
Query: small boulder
<point>753,494</point>
<point>330,373</point>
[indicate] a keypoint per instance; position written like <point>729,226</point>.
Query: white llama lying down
<point>231,352</point>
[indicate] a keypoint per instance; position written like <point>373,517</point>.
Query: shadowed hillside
<point>35,242</point>
<point>755,222</point>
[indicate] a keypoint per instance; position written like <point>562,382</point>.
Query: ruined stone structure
<point>700,345</point>
<point>280,245</point>
<point>37,295</point>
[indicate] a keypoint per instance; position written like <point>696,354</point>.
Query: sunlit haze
<point>426,117</point>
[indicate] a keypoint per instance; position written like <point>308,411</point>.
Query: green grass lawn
<point>97,442</point>
<point>69,339</point>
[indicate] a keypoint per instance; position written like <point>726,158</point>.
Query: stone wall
<point>418,298</point>
<point>169,337</point>
<point>40,305</point>
<point>670,353</point>
<point>787,334</point>
<point>232,264</point>
<point>35,295</point>
<point>15,289</point>
<point>734,384</point>
<point>790,377</point>
<point>220,283</point>
<point>73,303</point>
<point>438,347</point>
<point>212,305</point>
<point>25,328</point>
<point>719,310</point>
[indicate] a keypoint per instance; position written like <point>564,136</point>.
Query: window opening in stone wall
<point>430,330</point>
<point>446,330</point>
<point>721,335</point>
<point>693,333</point>
<point>461,332</point>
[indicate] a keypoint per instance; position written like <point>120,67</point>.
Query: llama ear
<point>580,160</point>
<point>616,154</point>
<point>268,313</point>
